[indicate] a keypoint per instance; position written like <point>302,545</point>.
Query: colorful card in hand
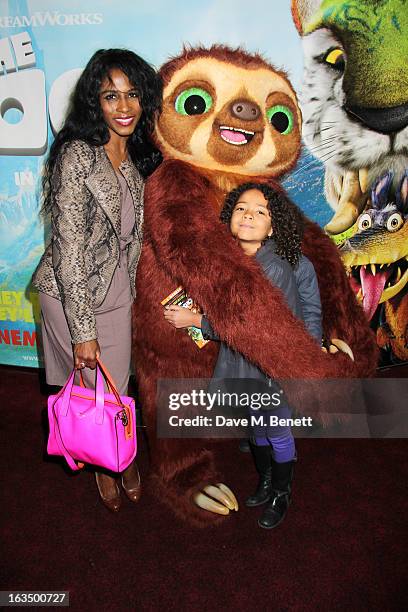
<point>180,298</point>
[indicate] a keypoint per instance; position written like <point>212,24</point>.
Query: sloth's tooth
<point>373,270</point>
<point>359,295</point>
<point>398,274</point>
<point>232,129</point>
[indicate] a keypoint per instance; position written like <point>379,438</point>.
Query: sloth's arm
<point>342,316</point>
<point>244,309</point>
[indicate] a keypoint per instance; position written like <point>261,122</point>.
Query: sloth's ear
<point>302,11</point>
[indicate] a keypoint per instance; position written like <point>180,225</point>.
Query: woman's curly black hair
<point>85,120</point>
<point>287,219</point>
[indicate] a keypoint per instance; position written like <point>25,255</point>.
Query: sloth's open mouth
<point>235,136</point>
<point>377,283</point>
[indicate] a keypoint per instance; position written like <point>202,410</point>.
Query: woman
<point>93,188</point>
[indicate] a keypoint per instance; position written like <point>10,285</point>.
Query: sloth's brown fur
<point>186,244</point>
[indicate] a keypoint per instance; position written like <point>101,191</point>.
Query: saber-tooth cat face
<point>354,96</point>
<point>339,132</point>
<point>355,92</point>
<point>228,111</point>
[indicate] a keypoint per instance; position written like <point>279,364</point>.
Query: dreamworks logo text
<point>50,18</point>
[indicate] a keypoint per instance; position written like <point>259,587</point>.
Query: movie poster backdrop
<point>43,47</point>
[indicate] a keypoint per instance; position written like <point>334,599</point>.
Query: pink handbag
<point>91,426</point>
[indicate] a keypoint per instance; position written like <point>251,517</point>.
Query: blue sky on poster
<point>157,29</point>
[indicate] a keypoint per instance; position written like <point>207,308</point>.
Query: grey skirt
<point>114,337</point>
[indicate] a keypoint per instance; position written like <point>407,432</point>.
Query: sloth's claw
<point>338,344</point>
<point>218,499</point>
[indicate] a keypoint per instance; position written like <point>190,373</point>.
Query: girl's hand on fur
<point>181,317</point>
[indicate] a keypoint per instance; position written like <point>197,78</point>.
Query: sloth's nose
<point>244,109</point>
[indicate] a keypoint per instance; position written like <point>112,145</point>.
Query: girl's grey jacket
<point>78,266</point>
<point>300,288</point>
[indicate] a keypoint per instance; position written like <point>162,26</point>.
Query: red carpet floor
<point>342,546</point>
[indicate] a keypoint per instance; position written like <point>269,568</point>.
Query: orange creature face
<point>240,118</point>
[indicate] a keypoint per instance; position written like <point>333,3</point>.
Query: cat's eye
<point>394,222</point>
<point>335,58</point>
<point>193,101</point>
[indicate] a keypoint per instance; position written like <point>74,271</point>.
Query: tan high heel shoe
<point>133,486</point>
<point>112,502</point>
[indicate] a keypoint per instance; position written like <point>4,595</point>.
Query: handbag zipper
<point>124,418</point>
<point>117,445</point>
<point>105,401</point>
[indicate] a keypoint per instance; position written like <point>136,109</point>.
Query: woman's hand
<point>181,317</point>
<point>86,354</point>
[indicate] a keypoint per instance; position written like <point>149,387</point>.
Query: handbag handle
<point>83,385</point>
<point>58,437</point>
<point>66,394</point>
<point>99,391</point>
<point>99,415</point>
<point>99,403</point>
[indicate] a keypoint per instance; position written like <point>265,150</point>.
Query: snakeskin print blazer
<point>78,265</point>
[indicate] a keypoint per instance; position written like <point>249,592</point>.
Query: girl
<point>268,227</point>
<point>94,191</point>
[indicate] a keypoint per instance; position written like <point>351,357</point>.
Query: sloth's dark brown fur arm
<point>244,309</point>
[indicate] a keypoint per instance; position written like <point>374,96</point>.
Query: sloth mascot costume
<point>228,117</point>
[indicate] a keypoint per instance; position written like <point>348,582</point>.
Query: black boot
<point>280,498</point>
<point>263,462</point>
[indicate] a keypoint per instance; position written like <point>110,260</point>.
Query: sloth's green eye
<point>281,117</point>
<point>193,101</point>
